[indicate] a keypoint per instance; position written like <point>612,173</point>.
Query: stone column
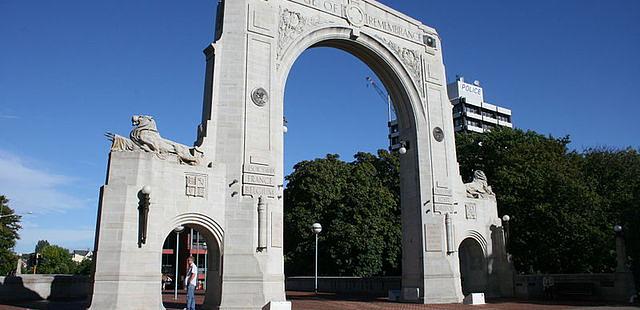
<point>19,267</point>
<point>448,223</point>
<point>262,225</point>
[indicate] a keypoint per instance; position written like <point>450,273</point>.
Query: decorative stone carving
<point>292,25</point>
<point>260,96</point>
<point>438,134</point>
<point>355,15</point>
<point>479,187</point>
<point>144,137</point>
<point>196,185</point>
<point>409,58</point>
<point>470,211</point>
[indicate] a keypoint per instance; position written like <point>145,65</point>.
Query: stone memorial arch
<point>229,185</point>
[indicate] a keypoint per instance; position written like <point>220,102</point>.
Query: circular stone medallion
<point>355,15</point>
<point>438,134</point>
<point>260,96</point>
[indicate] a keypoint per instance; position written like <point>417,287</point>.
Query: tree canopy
<point>563,205</point>
<point>55,260</point>
<point>40,245</point>
<point>9,227</point>
<point>357,204</point>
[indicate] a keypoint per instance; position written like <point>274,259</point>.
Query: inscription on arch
<point>373,16</point>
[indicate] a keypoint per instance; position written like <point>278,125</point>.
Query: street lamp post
<point>175,280</point>
<point>316,228</point>
<point>621,253</point>
<point>505,222</point>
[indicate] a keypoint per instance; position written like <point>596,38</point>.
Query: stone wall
<point>374,286</point>
<point>37,286</point>
<point>618,287</point>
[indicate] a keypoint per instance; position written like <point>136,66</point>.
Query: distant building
<point>81,255</point>
<point>471,112</point>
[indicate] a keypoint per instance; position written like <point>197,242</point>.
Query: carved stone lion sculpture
<point>479,187</point>
<point>145,137</point>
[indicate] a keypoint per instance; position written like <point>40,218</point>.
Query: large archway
<point>340,129</point>
<point>401,91</point>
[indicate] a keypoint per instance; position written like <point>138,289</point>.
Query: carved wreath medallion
<point>260,96</point>
<point>438,134</point>
<point>355,15</point>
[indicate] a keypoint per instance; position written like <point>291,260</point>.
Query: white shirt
<point>193,269</point>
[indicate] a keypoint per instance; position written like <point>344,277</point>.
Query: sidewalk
<point>324,301</point>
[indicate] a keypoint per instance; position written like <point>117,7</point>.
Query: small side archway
<point>473,266</point>
<point>201,234</point>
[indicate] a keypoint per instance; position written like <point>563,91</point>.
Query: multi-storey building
<point>471,112</point>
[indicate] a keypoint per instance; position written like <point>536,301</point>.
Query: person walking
<point>190,283</point>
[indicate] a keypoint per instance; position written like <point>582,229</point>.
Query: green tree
<point>40,245</point>
<point>615,176</point>
<point>55,260</point>
<point>84,267</point>
<point>358,206</point>
<point>560,222</point>
<point>9,227</point>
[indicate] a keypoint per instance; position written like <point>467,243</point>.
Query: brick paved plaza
<point>310,301</point>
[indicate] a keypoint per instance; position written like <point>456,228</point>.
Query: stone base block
<point>474,299</point>
<point>394,295</point>
<point>277,305</point>
<point>411,294</point>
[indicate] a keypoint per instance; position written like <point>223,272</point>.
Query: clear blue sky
<point>71,70</point>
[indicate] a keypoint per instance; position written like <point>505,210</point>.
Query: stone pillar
<point>19,267</point>
<point>448,223</point>
<point>262,225</point>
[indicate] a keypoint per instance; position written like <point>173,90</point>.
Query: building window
<point>504,118</point>
<point>488,114</point>
<point>474,123</point>
<point>472,109</point>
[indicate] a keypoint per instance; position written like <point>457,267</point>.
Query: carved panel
<point>262,19</point>
<point>196,185</point>
<point>433,237</point>
<point>259,169</point>
<point>470,211</point>
<point>258,178</point>
<point>257,191</point>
